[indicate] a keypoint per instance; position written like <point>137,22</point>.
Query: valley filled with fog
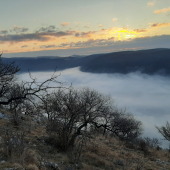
<point>145,96</point>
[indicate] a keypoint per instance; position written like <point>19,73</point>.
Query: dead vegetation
<point>29,150</point>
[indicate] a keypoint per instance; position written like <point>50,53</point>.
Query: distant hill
<point>154,61</point>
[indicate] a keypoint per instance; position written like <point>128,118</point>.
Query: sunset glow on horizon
<point>83,26</point>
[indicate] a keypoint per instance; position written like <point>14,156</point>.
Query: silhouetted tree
<point>13,92</point>
<point>165,131</point>
<point>72,112</point>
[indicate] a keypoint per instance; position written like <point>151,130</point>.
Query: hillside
<point>154,61</point>
<point>146,61</point>
<point>99,153</point>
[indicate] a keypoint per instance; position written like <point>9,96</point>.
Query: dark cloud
<point>77,34</point>
<point>48,46</point>
<point>88,43</point>
<point>85,34</point>
<point>160,25</point>
<point>140,30</point>
<point>23,37</point>
<point>51,28</point>
<point>60,33</point>
<point>42,36</point>
<point>112,38</point>
<point>18,29</point>
<point>102,45</point>
<point>24,46</point>
<point>91,42</point>
<point>162,41</point>
<point>4,32</point>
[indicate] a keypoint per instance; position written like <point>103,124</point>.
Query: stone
<point>120,162</point>
<point>51,165</point>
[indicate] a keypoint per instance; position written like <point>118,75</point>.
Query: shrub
<point>72,112</point>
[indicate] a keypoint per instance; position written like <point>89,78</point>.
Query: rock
<point>152,159</point>
<point>51,165</point>
<point>120,162</point>
<point>162,162</point>
<point>3,116</point>
<point>69,168</point>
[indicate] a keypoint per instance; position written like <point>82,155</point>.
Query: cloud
<point>18,29</point>
<point>100,25</point>
<point>42,36</point>
<point>77,34</point>
<point>151,3</point>
<point>89,43</point>
<point>111,38</point>
<point>48,46</point>
<point>156,25</point>
<point>140,30</point>
<point>162,10</point>
<point>89,47</point>
<point>85,34</point>
<point>107,39</point>
<point>87,25</point>
<point>24,46</point>
<point>4,32</point>
<point>65,24</point>
<point>50,28</point>
<point>115,19</point>
<point>23,37</point>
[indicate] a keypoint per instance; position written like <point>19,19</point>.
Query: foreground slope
<point>99,153</point>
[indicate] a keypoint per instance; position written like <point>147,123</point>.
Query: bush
<point>13,142</point>
<point>125,126</point>
<point>72,112</point>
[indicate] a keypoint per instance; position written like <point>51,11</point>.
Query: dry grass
<point>32,167</point>
<point>100,153</point>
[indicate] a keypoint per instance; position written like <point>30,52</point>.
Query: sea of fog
<point>146,97</point>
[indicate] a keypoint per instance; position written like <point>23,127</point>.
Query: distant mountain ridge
<point>153,61</point>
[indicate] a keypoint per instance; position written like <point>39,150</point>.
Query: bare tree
<point>165,131</point>
<point>13,92</point>
<point>125,126</point>
<point>72,112</point>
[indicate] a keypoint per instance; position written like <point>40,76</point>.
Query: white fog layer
<point>146,97</point>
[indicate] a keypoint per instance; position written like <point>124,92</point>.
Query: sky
<point>63,27</point>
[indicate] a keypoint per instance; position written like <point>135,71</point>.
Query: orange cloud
<point>85,34</point>
<point>49,38</point>
<point>140,30</point>
<point>115,19</point>
<point>100,25</point>
<point>65,24</point>
<point>151,3</point>
<point>155,25</point>
<point>162,10</point>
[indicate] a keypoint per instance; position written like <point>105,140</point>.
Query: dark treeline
<point>154,61</point>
